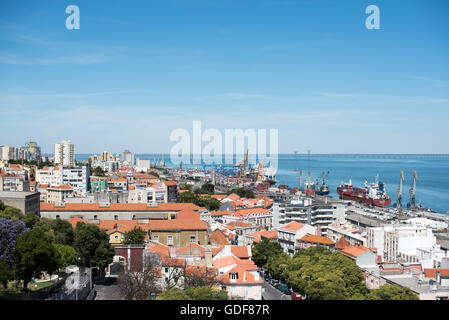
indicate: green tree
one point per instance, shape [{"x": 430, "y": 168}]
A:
[
  {"x": 278, "y": 265},
  {"x": 30, "y": 219},
  {"x": 134, "y": 236},
  {"x": 186, "y": 187},
  {"x": 392, "y": 292},
  {"x": 67, "y": 253},
  {"x": 44, "y": 224},
  {"x": 242, "y": 192},
  {"x": 5, "y": 274},
  {"x": 264, "y": 250},
  {"x": 314, "y": 271},
  {"x": 11, "y": 213},
  {"x": 35, "y": 252},
  {"x": 92, "y": 245},
  {"x": 63, "y": 232},
  {"x": 198, "y": 293},
  {"x": 98, "y": 171},
  {"x": 187, "y": 197},
  {"x": 207, "y": 188},
  {"x": 209, "y": 203},
  {"x": 326, "y": 286}
]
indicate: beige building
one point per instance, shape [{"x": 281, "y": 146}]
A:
[
  {"x": 58, "y": 194},
  {"x": 8, "y": 153}
]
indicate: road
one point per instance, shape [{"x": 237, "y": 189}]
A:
[
  {"x": 271, "y": 293},
  {"x": 108, "y": 290}
]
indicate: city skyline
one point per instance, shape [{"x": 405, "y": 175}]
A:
[{"x": 135, "y": 72}]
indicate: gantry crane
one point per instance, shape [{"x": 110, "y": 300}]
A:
[
  {"x": 411, "y": 204},
  {"x": 242, "y": 167},
  {"x": 399, "y": 192}
]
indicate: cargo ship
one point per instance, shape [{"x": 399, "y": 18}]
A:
[{"x": 372, "y": 194}]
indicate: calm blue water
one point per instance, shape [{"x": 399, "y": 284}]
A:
[{"x": 433, "y": 173}]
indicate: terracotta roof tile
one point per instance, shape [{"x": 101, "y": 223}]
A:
[
  {"x": 316, "y": 239},
  {"x": 292, "y": 226}
]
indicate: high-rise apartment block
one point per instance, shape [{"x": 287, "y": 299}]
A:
[{"x": 64, "y": 153}]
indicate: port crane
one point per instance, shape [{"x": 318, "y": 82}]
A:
[
  {"x": 411, "y": 204},
  {"x": 399, "y": 192},
  {"x": 242, "y": 167},
  {"x": 317, "y": 181}
]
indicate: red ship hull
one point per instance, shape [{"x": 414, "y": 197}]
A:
[{"x": 360, "y": 197}]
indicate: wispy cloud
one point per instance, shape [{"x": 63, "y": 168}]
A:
[
  {"x": 433, "y": 82},
  {"x": 14, "y": 59},
  {"x": 240, "y": 96}
]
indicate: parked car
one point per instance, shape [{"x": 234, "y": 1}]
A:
[
  {"x": 296, "y": 296},
  {"x": 282, "y": 287}
]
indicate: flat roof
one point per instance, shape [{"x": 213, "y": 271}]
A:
[{"x": 17, "y": 194}]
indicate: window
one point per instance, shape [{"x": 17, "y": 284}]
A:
[
  {"x": 166, "y": 270},
  {"x": 115, "y": 217},
  {"x": 170, "y": 240},
  {"x": 233, "y": 275},
  {"x": 57, "y": 216},
  {"x": 156, "y": 238},
  {"x": 95, "y": 217},
  {"x": 192, "y": 239},
  {"x": 116, "y": 237}
]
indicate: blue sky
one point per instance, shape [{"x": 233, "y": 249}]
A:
[{"x": 136, "y": 70}]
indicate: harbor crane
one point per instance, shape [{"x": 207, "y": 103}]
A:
[
  {"x": 411, "y": 204},
  {"x": 399, "y": 192},
  {"x": 242, "y": 167},
  {"x": 317, "y": 182}
]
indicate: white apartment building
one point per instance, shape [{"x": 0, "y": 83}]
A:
[
  {"x": 144, "y": 195},
  {"x": 337, "y": 229},
  {"x": 399, "y": 242},
  {"x": 50, "y": 176},
  {"x": 128, "y": 158},
  {"x": 289, "y": 234},
  {"x": 77, "y": 177},
  {"x": 432, "y": 257},
  {"x": 106, "y": 165},
  {"x": 64, "y": 153},
  {"x": 305, "y": 210},
  {"x": 142, "y": 165}
]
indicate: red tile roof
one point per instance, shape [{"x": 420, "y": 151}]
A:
[
  {"x": 342, "y": 243},
  {"x": 252, "y": 211},
  {"x": 159, "y": 248},
  {"x": 354, "y": 251},
  {"x": 221, "y": 213},
  {"x": 233, "y": 196},
  {"x": 191, "y": 248},
  {"x": 74, "y": 220},
  {"x": 218, "y": 196},
  {"x": 240, "y": 252},
  {"x": 316, "y": 239},
  {"x": 218, "y": 237},
  {"x": 292, "y": 226}
]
